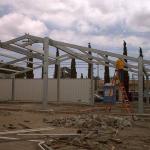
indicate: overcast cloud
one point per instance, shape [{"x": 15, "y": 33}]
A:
[{"x": 104, "y": 23}]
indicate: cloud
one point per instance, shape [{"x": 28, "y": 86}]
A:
[
  {"x": 103, "y": 23},
  {"x": 17, "y": 24},
  {"x": 146, "y": 54},
  {"x": 140, "y": 22}
]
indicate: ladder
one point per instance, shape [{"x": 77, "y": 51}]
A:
[{"x": 124, "y": 99}]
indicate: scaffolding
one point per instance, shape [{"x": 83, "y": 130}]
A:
[{"x": 23, "y": 45}]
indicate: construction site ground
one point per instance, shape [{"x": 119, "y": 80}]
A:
[{"x": 27, "y": 126}]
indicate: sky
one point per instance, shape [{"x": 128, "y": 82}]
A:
[{"x": 103, "y": 23}]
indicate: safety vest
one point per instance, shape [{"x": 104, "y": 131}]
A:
[{"x": 120, "y": 64}]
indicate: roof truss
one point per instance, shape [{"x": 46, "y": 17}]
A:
[{"x": 23, "y": 45}]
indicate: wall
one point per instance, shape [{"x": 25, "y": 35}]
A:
[
  {"x": 5, "y": 89},
  {"x": 76, "y": 90},
  {"x": 71, "y": 90},
  {"x": 28, "y": 89}
]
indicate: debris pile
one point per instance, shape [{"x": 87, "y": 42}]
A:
[
  {"x": 96, "y": 132},
  {"x": 90, "y": 121}
]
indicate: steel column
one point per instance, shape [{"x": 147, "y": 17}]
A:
[
  {"x": 45, "y": 72},
  {"x": 140, "y": 86},
  {"x": 92, "y": 86},
  {"x": 58, "y": 82}
]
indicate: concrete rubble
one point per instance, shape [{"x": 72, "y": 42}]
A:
[{"x": 96, "y": 132}]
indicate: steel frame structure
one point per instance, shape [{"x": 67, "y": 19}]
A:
[{"x": 23, "y": 45}]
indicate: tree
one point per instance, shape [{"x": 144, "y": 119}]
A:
[
  {"x": 126, "y": 74},
  {"x": 106, "y": 73},
  {"x": 125, "y": 49},
  {"x": 30, "y": 74},
  {"x": 81, "y": 75},
  {"x": 56, "y": 65},
  {"x": 140, "y": 52},
  {"x": 42, "y": 69},
  {"x": 89, "y": 65},
  {"x": 73, "y": 68},
  {"x": 141, "y": 55}
]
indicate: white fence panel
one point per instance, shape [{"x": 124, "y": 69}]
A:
[
  {"x": 75, "y": 90},
  {"x": 5, "y": 89},
  {"x": 71, "y": 90},
  {"x": 52, "y": 90},
  {"x": 28, "y": 89}
]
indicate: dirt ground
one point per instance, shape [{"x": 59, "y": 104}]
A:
[{"x": 22, "y": 118}]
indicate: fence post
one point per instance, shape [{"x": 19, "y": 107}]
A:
[
  {"x": 58, "y": 82},
  {"x": 13, "y": 89},
  {"x": 147, "y": 89}
]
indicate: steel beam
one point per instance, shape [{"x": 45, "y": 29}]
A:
[
  {"x": 72, "y": 53},
  {"x": 84, "y": 49},
  {"x": 16, "y": 39},
  {"x": 29, "y": 47},
  {"x": 129, "y": 67},
  {"x": 30, "y": 42},
  {"x": 13, "y": 61},
  {"x": 12, "y": 70},
  {"x": 36, "y": 38},
  {"x": 4, "y": 64},
  {"x": 98, "y": 60},
  {"x": 22, "y": 51},
  {"x": 8, "y": 56},
  {"x": 24, "y": 71},
  {"x": 37, "y": 67},
  {"x": 55, "y": 43}
]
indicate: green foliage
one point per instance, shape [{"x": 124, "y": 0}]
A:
[
  {"x": 140, "y": 52},
  {"x": 81, "y": 75},
  {"x": 30, "y": 74},
  {"x": 89, "y": 65},
  {"x": 73, "y": 68},
  {"x": 126, "y": 74},
  {"x": 56, "y": 66},
  {"x": 106, "y": 73},
  {"x": 141, "y": 55}
]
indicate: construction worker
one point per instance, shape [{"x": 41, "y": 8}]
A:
[{"x": 120, "y": 64}]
